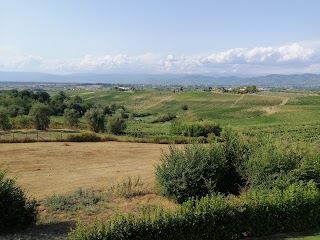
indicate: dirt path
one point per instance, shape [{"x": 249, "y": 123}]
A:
[
  {"x": 239, "y": 99},
  {"x": 45, "y": 169},
  {"x": 160, "y": 101},
  {"x": 273, "y": 109}
]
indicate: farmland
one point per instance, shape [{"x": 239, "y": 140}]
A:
[{"x": 48, "y": 169}]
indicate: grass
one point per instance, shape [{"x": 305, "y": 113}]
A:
[{"x": 80, "y": 200}]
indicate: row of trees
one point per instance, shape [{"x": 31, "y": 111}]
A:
[{"x": 23, "y": 109}]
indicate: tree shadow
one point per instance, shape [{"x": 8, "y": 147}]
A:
[
  {"x": 56, "y": 231},
  {"x": 292, "y": 235}
]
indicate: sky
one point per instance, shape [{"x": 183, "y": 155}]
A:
[{"x": 229, "y": 37}]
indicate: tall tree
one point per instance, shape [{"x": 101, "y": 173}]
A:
[
  {"x": 95, "y": 119},
  {"x": 40, "y": 116}
]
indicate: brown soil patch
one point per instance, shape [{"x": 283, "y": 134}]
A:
[{"x": 45, "y": 169}]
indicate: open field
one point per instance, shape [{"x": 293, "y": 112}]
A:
[{"x": 45, "y": 169}]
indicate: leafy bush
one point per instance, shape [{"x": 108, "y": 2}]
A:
[
  {"x": 4, "y": 119},
  {"x": 276, "y": 163},
  {"x": 196, "y": 129},
  {"x": 40, "y": 116},
  {"x": 22, "y": 122},
  {"x": 116, "y": 125},
  {"x": 198, "y": 170},
  {"x": 164, "y": 118},
  {"x": 254, "y": 213},
  {"x": 84, "y": 137},
  {"x": 16, "y": 211},
  {"x": 95, "y": 119}
]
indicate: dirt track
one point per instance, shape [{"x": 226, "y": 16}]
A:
[{"x": 45, "y": 169}]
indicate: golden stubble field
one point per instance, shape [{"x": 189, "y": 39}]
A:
[{"x": 46, "y": 169}]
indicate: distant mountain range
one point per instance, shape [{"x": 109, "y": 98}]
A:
[{"x": 273, "y": 81}]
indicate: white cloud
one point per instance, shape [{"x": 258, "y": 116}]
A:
[{"x": 291, "y": 58}]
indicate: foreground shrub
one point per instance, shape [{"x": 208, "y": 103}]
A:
[
  {"x": 276, "y": 163},
  {"x": 84, "y": 137},
  {"x": 254, "y": 213},
  {"x": 196, "y": 129},
  {"x": 16, "y": 211},
  {"x": 198, "y": 170}
]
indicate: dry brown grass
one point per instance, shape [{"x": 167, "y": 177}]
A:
[
  {"x": 45, "y": 169},
  {"x": 57, "y": 168}
]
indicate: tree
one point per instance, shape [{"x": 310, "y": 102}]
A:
[
  {"x": 40, "y": 116},
  {"x": 95, "y": 119},
  {"x": 116, "y": 125},
  {"x": 4, "y": 119},
  {"x": 71, "y": 118}
]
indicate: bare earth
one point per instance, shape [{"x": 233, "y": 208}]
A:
[{"x": 45, "y": 169}]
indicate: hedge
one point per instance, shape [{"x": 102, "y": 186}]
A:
[{"x": 254, "y": 213}]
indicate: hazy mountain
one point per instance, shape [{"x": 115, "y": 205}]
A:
[{"x": 274, "y": 80}]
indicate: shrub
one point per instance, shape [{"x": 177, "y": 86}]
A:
[
  {"x": 84, "y": 137},
  {"x": 184, "y": 107},
  {"x": 4, "y": 119},
  {"x": 198, "y": 170},
  {"x": 164, "y": 118},
  {"x": 196, "y": 129},
  {"x": 71, "y": 117},
  {"x": 116, "y": 125},
  {"x": 276, "y": 163},
  {"x": 16, "y": 211},
  {"x": 79, "y": 200},
  {"x": 22, "y": 122},
  {"x": 95, "y": 119},
  {"x": 254, "y": 213},
  {"x": 40, "y": 116}
]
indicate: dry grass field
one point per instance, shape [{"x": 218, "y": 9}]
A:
[{"x": 45, "y": 169}]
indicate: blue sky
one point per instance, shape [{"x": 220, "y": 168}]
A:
[{"x": 230, "y": 37}]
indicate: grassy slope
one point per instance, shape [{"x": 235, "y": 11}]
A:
[{"x": 292, "y": 113}]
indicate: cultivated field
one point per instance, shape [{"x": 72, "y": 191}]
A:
[{"x": 45, "y": 169}]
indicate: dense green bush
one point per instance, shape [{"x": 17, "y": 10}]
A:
[
  {"x": 280, "y": 163},
  {"x": 254, "y": 213},
  {"x": 40, "y": 113},
  {"x": 164, "y": 118},
  {"x": 197, "y": 170},
  {"x": 4, "y": 119},
  {"x": 84, "y": 137},
  {"x": 116, "y": 125},
  {"x": 16, "y": 211},
  {"x": 95, "y": 119},
  {"x": 195, "y": 129}
]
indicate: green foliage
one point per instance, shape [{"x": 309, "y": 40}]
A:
[
  {"x": 4, "y": 119},
  {"x": 254, "y": 213},
  {"x": 16, "y": 211},
  {"x": 84, "y": 137},
  {"x": 197, "y": 170},
  {"x": 164, "y": 118},
  {"x": 95, "y": 119},
  {"x": 116, "y": 125},
  {"x": 195, "y": 129},
  {"x": 71, "y": 117},
  {"x": 22, "y": 122},
  {"x": 79, "y": 200},
  {"x": 40, "y": 116},
  {"x": 277, "y": 163}
]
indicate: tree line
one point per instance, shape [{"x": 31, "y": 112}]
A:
[{"x": 26, "y": 109}]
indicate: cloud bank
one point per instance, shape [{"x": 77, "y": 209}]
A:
[{"x": 303, "y": 57}]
